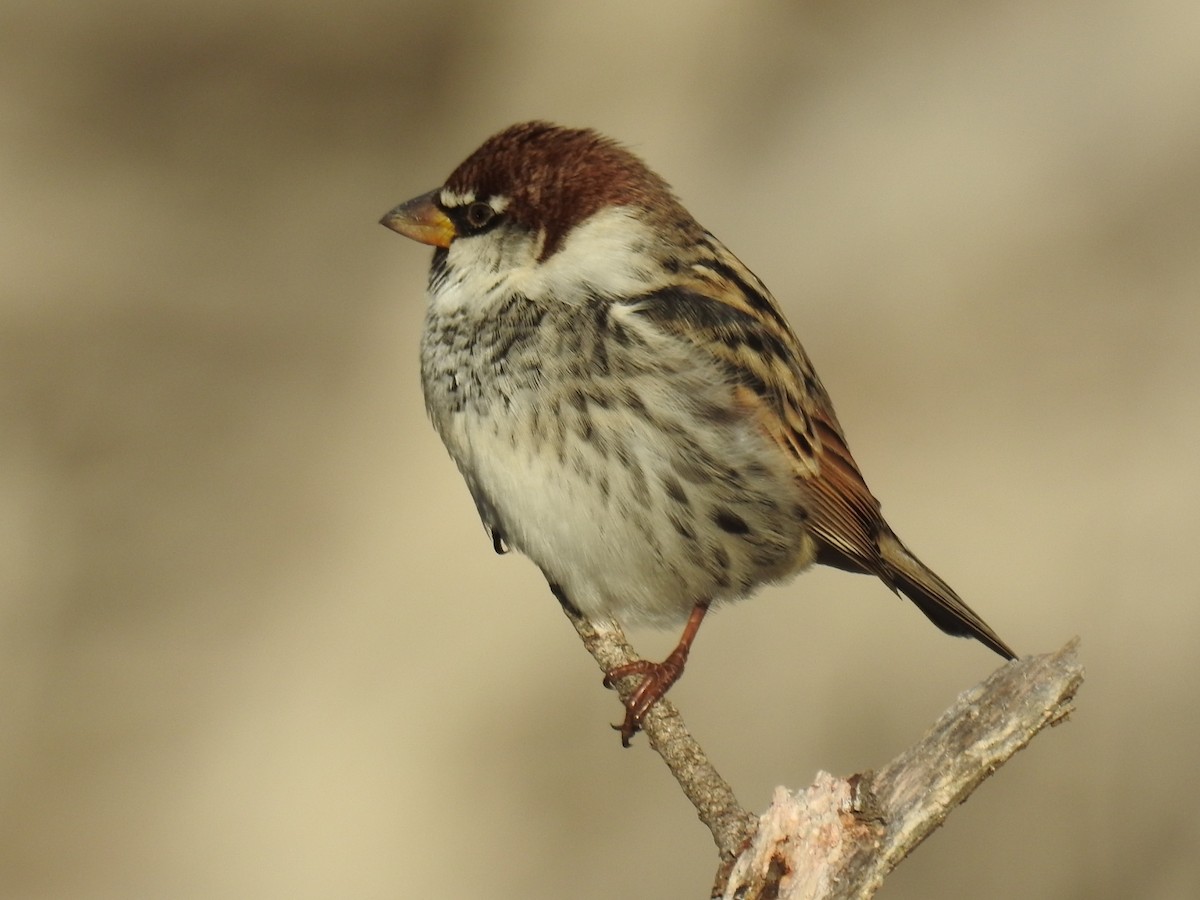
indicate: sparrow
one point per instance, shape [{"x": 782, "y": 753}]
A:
[{"x": 627, "y": 403}]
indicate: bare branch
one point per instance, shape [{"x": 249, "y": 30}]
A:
[
  {"x": 731, "y": 826},
  {"x": 839, "y": 838}
]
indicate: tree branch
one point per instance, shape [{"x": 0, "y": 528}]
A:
[
  {"x": 839, "y": 838},
  {"x": 731, "y": 826}
]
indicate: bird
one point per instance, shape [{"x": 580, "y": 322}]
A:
[{"x": 627, "y": 403}]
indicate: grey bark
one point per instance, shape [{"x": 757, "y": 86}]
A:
[{"x": 840, "y": 837}]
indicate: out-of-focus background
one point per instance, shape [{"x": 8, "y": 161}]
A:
[{"x": 253, "y": 640}]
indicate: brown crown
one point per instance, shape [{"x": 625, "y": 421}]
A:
[{"x": 557, "y": 177}]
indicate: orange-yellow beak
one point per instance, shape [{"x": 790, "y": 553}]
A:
[{"x": 422, "y": 220}]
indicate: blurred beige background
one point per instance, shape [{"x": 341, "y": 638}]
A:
[{"x": 253, "y": 640}]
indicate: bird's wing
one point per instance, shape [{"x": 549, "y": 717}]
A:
[{"x": 724, "y": 309}]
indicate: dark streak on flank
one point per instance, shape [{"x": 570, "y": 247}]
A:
[
  {"x": 675, "y": 490},
  {"x": 729, "y": 521},
  {"x": 599, "y": 399},
  {"x": 682, "y": 527},
  {"x": 633, "y": 401}
]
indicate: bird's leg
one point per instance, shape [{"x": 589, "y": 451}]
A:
[{"x": 657, "y": 678}]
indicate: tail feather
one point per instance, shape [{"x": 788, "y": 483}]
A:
[{"x": 934, "y": 597}]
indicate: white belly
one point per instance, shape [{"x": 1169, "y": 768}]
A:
[{"x": 631, "y": 523}]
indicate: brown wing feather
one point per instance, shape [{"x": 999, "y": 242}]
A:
[
  {"x": 732, "y": 314},
  {"x": 847, "y": 518}
]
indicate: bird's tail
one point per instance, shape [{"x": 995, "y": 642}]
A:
[{"x": 934, "y": 597}]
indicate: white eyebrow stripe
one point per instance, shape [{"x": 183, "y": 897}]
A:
[{"x": 451, "y": 198}]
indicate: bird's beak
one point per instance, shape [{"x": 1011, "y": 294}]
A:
[{"x": 422, "y": 220}]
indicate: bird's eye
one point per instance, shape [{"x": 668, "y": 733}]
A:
[{"x": 480, "y": 214}]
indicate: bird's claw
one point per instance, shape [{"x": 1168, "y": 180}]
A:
[{"x": 657, "y": 679}]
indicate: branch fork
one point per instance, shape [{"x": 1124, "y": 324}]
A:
[{"x": 840, "y": 837}]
